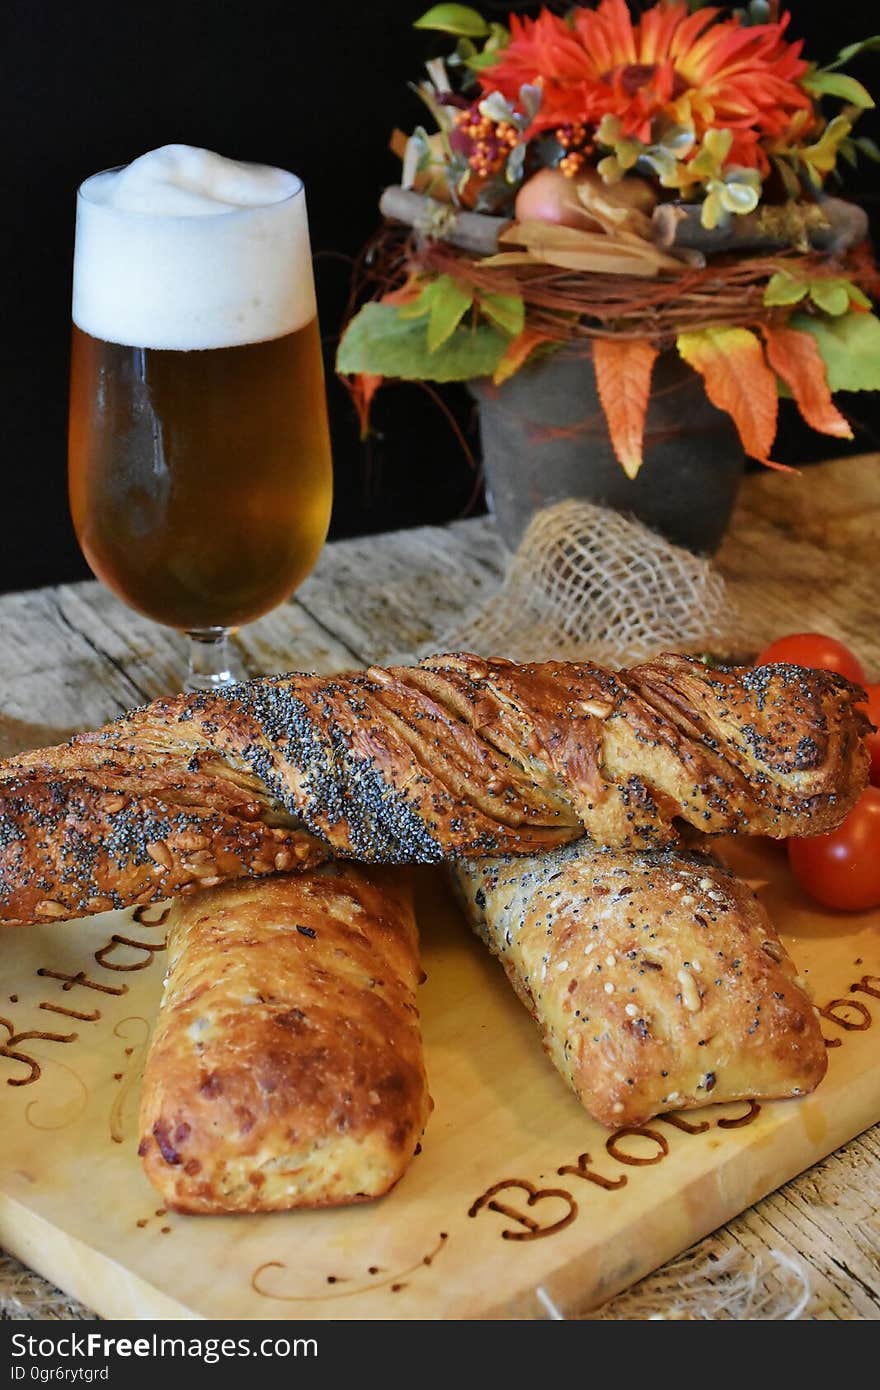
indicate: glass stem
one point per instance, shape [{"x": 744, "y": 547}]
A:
[{"x": 212, "y": 664}]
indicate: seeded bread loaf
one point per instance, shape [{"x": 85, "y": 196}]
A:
[
  {"x": 656, "y": 979},
  {"x": 286, "y": 1064}
]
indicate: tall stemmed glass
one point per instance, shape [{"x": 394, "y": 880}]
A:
[{"x": 199, "y": 457}]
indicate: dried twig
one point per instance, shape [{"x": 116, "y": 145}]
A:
[
  {"x": 470, "y": 231},
  {"x": 831, "y": 225}
]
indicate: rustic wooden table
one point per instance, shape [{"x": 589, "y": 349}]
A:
[{"x": 801, "y": 556}]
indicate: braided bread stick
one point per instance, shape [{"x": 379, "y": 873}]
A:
[
  {"x": 457, "y": 756},
  {"x": 286, "y": 1063},
  {"x": 71, "y": 846},
  {"x": 656, "y": 979}
]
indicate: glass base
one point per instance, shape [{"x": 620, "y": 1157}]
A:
[{"x": 212, "y": 663}]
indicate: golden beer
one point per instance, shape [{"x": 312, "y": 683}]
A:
[
  {"x": 199, "y": 456},
  {"x": 200, "y": 481}
]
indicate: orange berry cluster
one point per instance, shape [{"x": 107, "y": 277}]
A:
[
  {"x": 490, "y": 141},
  {"x": 572, "y": 138}
]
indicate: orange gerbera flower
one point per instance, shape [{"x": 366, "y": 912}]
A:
[{"x": 692, "y": 69}]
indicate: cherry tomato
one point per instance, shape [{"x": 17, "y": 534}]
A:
[
  {"x": 842, "y": 869},
  {"x": 814, "y": 649},
  {"x": 872, "y": 742}
]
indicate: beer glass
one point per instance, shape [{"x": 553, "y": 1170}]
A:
[{"x": 199, "y": 458}]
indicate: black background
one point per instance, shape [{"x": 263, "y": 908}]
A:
[{"x": 312, "y": 85}]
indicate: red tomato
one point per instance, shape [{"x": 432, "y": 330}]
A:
[
  {"x": 872, "y": 742},
  {"x": 813, "y": 649},
  {"x": 842, "y": 869}
]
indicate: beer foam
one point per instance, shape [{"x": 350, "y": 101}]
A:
[{"x": 184, "y": 249}]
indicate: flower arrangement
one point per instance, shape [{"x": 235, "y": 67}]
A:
[{"x": 627, "y": 186}]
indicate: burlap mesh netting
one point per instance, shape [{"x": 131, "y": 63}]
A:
[{"x": 590, "y": 583}]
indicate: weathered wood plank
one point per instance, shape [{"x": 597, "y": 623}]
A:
[
  {"x": 154, "y": 658},
  {"x": 74, "y": 656},
  {"x": 49, "y": 671},
  {"x": 391, "y": 598}
]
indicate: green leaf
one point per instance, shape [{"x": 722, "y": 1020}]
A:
[
  {"x": 831, "y": 296},
  {"x": 420, "y": 306},
  {"x": 507, "y": 310},
  {"x": 481, "y": 60},
  {"x": 852, "y": 50},
  {"x": 850, "y": 349},
  {"x": 857, "y": 296},
  {"x": 712, "y": 213},
  {"x": 783, "y": 289},
  {"x": 464, "y": 49},
  {"x": 530, "y": 99},
  {"x": 445, "y": 302},
  {"x": 449, "y": 304},
  {"x": 838, "y": 84},
  {"x": 499, "y": 38},
  {"x": 790, "y": 180},
  {"x": 738, "y": 197},
  {"x": 460, "y": 20},
  {"x": 497, "y": 108},
  {"x": 513, "y": 169},
  {"x": 866, "y": 146},
  {"x": 378, "y": 341}
]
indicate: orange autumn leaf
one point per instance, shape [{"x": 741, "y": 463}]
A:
[
  {"x": 796, "y": 358},
  {"x": 364, "y": 385},
  {"x": 623, "y": 375},
  {"x": 738, "y": 380},
  {"x": 516, "y": 353},
  {"x": 398, "y": 142},
  {"x": 363, "y": 388}
]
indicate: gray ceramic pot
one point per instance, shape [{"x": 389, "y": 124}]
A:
[{"x": 544, "y": 439}]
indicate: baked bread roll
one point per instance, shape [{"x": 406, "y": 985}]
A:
[
  {"x": 656, "y": 979},
  {"x": 455, "y": 757},
  {"x": 286, "y": 1064}
]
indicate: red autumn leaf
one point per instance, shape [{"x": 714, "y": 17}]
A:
[
  {"x": 623, "y": 375},
  {"x": 738, "y": 380},
  {"x": 796, "y": 358},
  {"x": 516, "y": 352}
]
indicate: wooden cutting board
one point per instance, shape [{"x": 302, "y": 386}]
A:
[{"x": 518, "y": 1204}]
